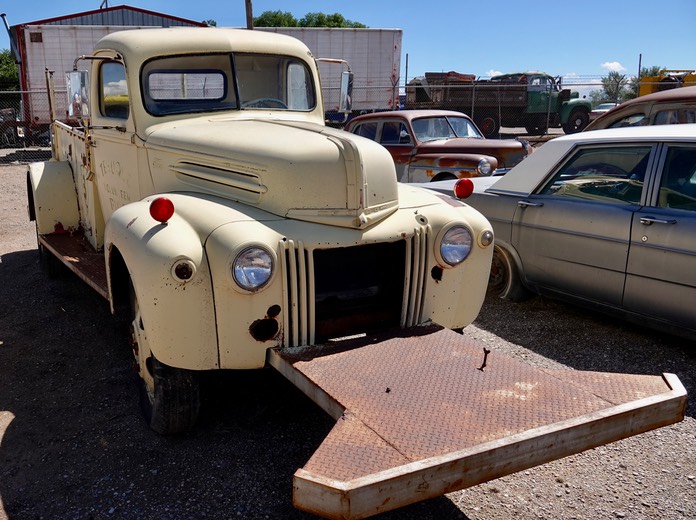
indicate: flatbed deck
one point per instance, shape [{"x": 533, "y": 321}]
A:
[{"x": 430, "y": 412}]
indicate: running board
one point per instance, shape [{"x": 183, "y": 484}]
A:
[
  {"x": 78, "y": 255},
  {"x": 432, "y": 411}
]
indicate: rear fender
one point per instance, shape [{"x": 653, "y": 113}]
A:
[
  {"x": 52, "y": 197},
  {"x": 178, "y": 315}
]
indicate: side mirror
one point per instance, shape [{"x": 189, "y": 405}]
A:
[
  {"x": 78, "y": 92},
  {"x": 345, "y": 104}
]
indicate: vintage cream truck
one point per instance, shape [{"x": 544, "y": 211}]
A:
[{"x": 199, "y": 191}]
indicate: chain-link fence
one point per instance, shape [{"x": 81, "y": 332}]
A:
[
  {"x": 502, "y": 109},
  {"x": 24, "y": 126}
]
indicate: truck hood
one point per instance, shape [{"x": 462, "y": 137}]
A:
[
  {"x": 299, "y": 170},
  {"x": 509, "y": 152}
]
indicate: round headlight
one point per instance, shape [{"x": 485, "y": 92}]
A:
[
  {"x": 456, "y": 245},
  {"x": 484, "y": 167},
  {"x": 252, "y": 268}
]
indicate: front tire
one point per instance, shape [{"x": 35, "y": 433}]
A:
[
  {"x": 504, "y": 280},
  {"x": 577, "y": 121},
  {"x": 169, "y": 396}
]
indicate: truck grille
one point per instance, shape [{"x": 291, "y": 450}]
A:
[{"x": 331, "y": 293}]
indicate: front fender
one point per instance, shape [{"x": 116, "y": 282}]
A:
[
  {"x": 178, "y": 316},
  {"x": 571, "y": 105},
  {"x": 425, "y": 167}
]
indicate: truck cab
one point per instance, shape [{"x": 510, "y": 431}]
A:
[{"x": 199, "y": 191}]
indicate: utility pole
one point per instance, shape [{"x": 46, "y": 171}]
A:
[{"x": 249, "y": 15}]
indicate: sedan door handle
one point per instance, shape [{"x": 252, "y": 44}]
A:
[
  {"x": 648, "y": 221},
  {"x": 527, "y": 204}
]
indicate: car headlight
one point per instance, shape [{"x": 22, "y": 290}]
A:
[
  {"x": 484, "y": 167},
  {"x": 456, "y": 245},
  {"x": 252, "y": 268}
]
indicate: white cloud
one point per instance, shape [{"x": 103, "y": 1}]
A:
[
  {"x": 613, "y": 66},
  {"x": 114, "y": 88},
  {"x": 492, "y": 72}
]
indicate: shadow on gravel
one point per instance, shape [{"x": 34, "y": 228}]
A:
[
  {"x": 76, "y": 446},
  {"x": 585, "y": 340},
  {"x": 22, "y": 155}
]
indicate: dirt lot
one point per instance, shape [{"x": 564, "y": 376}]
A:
[{"x": 73, "y": 445}]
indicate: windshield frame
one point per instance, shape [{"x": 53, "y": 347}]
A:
[{"x": 176, "y": 84}]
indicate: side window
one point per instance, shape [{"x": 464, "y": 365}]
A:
[
  {"x": 368, "y": 130},
  {"x": 113, "y": 90},
  {"x": 675, "y": 116},
  {"x": 639, "y": 119},
  {"x": 607, "y": 174},
  {"x": 391, "y": 132},
  {"x": 678, "y": 184}
]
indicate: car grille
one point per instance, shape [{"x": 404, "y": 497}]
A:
[{"x": 339, "y": 292}]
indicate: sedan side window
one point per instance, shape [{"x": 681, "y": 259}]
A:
[
  {"x": 678, "y": 184},
  {"x": 607, "y": 174},
  {"x": 368, "y": 130},
  {"x": 392, "y": 133},
  {"x": 638, "y": 119}
]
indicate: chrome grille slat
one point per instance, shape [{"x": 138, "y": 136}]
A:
[
  {"x": 299, "y": 318},
  {"x": 416, "y": 263}
]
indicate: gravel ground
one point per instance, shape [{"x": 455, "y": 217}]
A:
[{"x": 73, "y": 445}]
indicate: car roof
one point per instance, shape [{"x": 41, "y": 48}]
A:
[
  {"x": 523, "y": 178},
  {"x": 675, "y": 95},
  {"x": 408, "y": 114}
]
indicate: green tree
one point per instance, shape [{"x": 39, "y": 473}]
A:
[
  {"x": 328, "y": 20},
  {"x": 9, "y": 74},
  {"x": 210, "y": 23},
  {"x": 634, "y": 86},
  {"x": 275, "y": 19},
  {"x": 614, "y": 89},
  {"x": 286, "y": 19}
]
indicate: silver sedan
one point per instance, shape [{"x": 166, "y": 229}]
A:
[{"x": 605, "y": 219}]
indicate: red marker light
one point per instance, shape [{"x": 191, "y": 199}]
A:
[
  {"x": 463, "y": 188},
  {"x": 161, "y": 209}
]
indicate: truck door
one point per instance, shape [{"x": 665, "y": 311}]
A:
[{"x": 115, "y": 157}]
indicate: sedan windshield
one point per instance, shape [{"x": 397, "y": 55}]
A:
[{"x": 444, "y": 127}]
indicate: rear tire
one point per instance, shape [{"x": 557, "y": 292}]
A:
[
  {"x": 169, "y": 397},
  {"x": 504, "y": 280}
]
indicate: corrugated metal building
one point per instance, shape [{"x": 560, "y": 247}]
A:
[{"x": 54, "y": 44}]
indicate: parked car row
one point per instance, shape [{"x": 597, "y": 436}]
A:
[{"x": 605, "y": 219}]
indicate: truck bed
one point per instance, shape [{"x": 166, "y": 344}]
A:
[{"x": 430, "y": 412}]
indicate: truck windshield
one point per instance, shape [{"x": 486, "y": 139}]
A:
[{"x": 214, "y": 82}]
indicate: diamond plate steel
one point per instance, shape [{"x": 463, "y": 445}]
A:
[{"x": 411, "y": 398}]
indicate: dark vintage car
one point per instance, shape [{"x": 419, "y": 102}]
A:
[
  {"x": 676, "y": 106},
  {"x": 434, "y": 145},
  {"x": 605, "y": 219}
]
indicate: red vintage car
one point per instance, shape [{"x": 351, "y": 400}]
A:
[{"x": 435, "y": 145}]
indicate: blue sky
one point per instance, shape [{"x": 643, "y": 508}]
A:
[{"x": 586, "y": 39}]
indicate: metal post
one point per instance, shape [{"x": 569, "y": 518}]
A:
[{"x": 249, "y": 15}]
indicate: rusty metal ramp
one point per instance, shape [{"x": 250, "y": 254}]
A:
[{"x": 419, "y": 415}]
